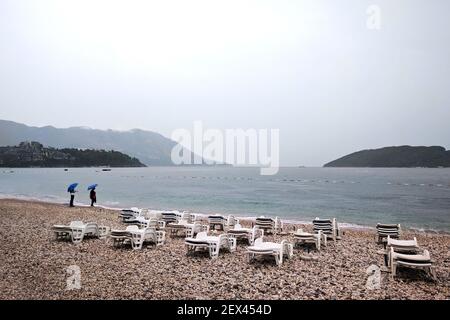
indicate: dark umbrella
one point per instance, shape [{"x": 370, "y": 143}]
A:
[{"x": 72, "y": 187}]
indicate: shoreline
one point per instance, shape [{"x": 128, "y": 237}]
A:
[{"x": 289, "y": 221}]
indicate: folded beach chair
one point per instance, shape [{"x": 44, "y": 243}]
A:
[
  {"x": 212, "y": 244},
  {"x": 249, "y": 234},
  {"x": 414, "y": 261},
  {"x": 76, "y": 231},
  {"x": 385, "y": 230},
  {"x": 301, "y": 237},
  {"x": 169, "y": 216},
  {"x": 277, "y": 250},
  {"x": 217, "y": 220},
  {"x": 269, "y": 225},
  {"x": 329, "y": 227}
]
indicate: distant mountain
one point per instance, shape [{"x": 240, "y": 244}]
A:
[
  {"x": 398, "y": 157},
  {"x": 34, "y": 154},
  {"x": 149, "y": 147}
]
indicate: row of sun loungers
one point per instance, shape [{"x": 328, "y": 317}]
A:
[
  {"x": 213, "y": 244},
  {"x": 151, "y": 227}
]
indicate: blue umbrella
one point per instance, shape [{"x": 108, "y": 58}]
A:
[
  {"x": 72, "y": 187},
  {"x": 93, "y": 186}
]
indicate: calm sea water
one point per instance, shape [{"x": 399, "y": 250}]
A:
[{"x": 418, "y": 198}]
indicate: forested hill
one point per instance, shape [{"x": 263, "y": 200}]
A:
[
  {"x": 402, "y": 156},
  {"x": 34, "y": 154}
]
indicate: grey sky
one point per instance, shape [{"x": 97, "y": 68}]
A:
[{"x": 310, "y": 68}]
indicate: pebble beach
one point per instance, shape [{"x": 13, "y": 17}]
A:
[{"x": 34, "y": 265}]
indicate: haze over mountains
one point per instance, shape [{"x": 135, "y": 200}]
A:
[{"x": 149, "y": 147}]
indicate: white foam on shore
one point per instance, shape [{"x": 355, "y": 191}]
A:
[{"x": 58, "y": 200}]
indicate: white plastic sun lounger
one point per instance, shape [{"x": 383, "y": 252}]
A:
[
  {"x": 249, "y": 234},
  {"x": 213, "y": 244},
  {"x": 76, "y": 231},
  {"x": 414, "y": 261},
  {"x": 187, "y": 229},
  {"x": 269, "y": 225},
  {"x": 137, "y": 237},
  {"x": 329, "y": 227},
  {"x": 385, "y": 230},
  {"x": 400, "y": 246},
  {"x": 277, "y": 250},
  {"x": 150, "y": 223},
  {"x": 301, "y": 237}
]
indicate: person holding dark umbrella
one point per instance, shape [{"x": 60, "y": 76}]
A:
[
  {"x": 93, "y": 194},
  {"x": 72, "y": 191}
]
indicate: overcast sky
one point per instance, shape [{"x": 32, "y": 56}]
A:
[{"x": 310, "y": 68}]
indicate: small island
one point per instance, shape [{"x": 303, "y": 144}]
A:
[
  {"x": 396, "y": 157},
  {"x": 34, "y": 154}
]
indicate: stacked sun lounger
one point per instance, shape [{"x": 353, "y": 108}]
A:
[
  {"x": 329, "y": 228},
  {"x": 407, "y": 253},
  {"x": 269, "y": 225},
  {"x": 215, "y": 221},
  {"x": 414, "y": 261},
  {"x": 129, "y": 216},
  {"x": 169, "y": 216},
  {"x": 385, "y": 230}
]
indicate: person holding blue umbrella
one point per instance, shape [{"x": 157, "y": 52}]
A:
[
  {"x": 93, "y": 194},
  {"x": 72, "y": 191}
]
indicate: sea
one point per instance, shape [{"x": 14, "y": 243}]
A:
[{"x": 417, "y": 198}]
